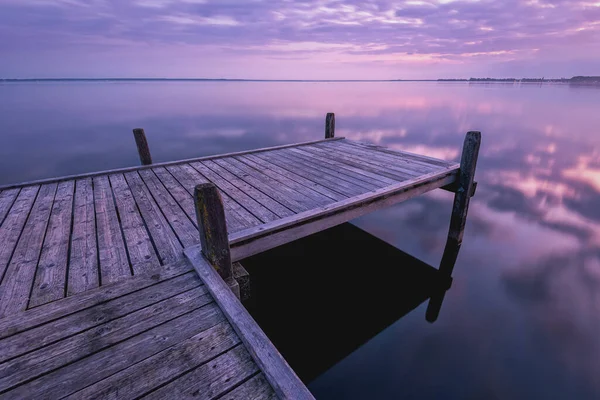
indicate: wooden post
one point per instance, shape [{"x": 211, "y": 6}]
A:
[
  {"x": 462, "y": 196},
  {"x": 213, "y": 229},
  {"x": 329, "y": 126},
  {"x": 142, "y": 145}
]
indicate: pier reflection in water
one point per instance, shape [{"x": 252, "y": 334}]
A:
[{"x": 321, "y": 297}]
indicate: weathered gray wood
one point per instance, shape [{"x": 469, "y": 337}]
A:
[
  {"x": 159, "y": 369},
  {"x": 83, "y": 265},
  {"x": 51, "y": 274},
  {"x": 80, "y": 374},
  {"x": 184, "y": 198},
  {"x": 168, "y": 246},
  {"x": 255, "y": 388},
  {"x": 211, "y": 379},
  {"x": 35, "y": 363},
  {"x": 301, "y": 184},
  {"x": 139, "y": 245},
  {"x": 282, "y": 378},
  {"x": 418, "y": 158},
  {"x": 163, "y": 164},
  {"x": 7, "y": 198},
  {"x": 330, "y": 126},
  {"x": 257, "y": 209},
  {"x": 335, "y": 176},
  {"x": 13, "y": 224},
  {"x": 267, "y": 236},
  {"x": 264, "y": 199},
  {"x": 237, "y": 216},
  {"x": 213, "y": 229},
  {"x": 142, "y": 146},
  {"x": 316, "y": 177},
  {"x": 31, "y": 318},
  {"x": 278, "y": 192},
  {"x": 114, "y": 264},
  {"x": 335, "y": 162},
  {"x": 18, "y": 279},
  {"x": 358, "y": 174},
  {"x": 76, "y": 322},
  {"x": 460, "y": 207},
  {"x": 180, "y": 223}
]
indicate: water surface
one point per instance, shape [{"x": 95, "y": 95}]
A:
[{"x": 522, "y": 319}]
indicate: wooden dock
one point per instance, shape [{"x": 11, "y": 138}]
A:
[{"x": 106, "y": 291}]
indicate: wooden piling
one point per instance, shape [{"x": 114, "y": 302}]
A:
[
  {"x": 142, "y": 146},
  {"x": 330, "y": 126},
  {"x": 213, "y": 229},
  {"x": 468, "y": 163}
]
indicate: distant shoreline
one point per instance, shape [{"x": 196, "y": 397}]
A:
[{"x": 577, "y": 80}]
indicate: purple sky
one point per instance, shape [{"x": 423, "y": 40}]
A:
[{"x": 309, "y": 39}]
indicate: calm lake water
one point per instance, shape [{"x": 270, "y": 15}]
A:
[{"x": 522, "y": 319}]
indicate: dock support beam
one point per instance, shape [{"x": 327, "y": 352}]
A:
[
  {"x": 142, "y": 146},
  {"x": 212, "y": 226},
  {"x": 463, "y": 192},
  {"x": 330, "y": 126}
]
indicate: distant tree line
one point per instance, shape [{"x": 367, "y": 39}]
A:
[{"x": 581, "y": 80}]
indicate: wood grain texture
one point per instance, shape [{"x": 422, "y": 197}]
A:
[
  {"x": 184, "y": 229},
  {"x": 83, "y": 267},
  {"x": 282, "y": 378},
  {"x": 418, "y": 158},
  {"x": 255, "y": 388},
  {"x": 13, "y": 224},
  {"x": 16, "y": 285},
  {"x": 142, "y": 146},
  {"x": 48, "y": 312},
  {"x": 7, "y": 198},
  {"x": 114, "y": 263},
  {"x": 329, "y": 125},
  {"x": 72, "y": 348},
  {"x": 51, "y": 274},
  {"x": 137, "y": 239},
  {"x": 168, "y": 246}
]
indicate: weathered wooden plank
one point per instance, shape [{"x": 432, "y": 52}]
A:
[
  {"x": 211, "y": 379},
  {"x": 263, "y": 198},
  {"x": 35, "y": 363},
  {"x": 267, "y": 236},
  {"x": 335, "y": 163},
  {"x": 255, "y": 388},
  {"x": 48, "y": 312},
  {"x": 179, "y": 193},
  {"x": 338, "y": 176},
  {"x": 7, "y": 198},
  {"x": 159, "y": 369},
  {"x": 338, "y": 158},
  {"x": 282, "y": 378},
  {"x": 83, "y": 264},
  {"x": 180, "y": 223},
  {"x": 13, "y": 224},
  {"x": 114, "y": 263},
  {"x": 163, "y": 164},
  {"x": 257, "y": 209},
  {"x": 168, "y": 246},
  {"x": 139, "y": 244},
  {"x": 309, "y": 174},
  {"x": 285, "y": 196},
  {"x": 419, "y": 158},
  {"x": 18, "y": 279},
  {"x": 80, "y": 374},
  {"x": 290, "y": 198},
  {"x": 392, "y": 163},
  {"x": 330, "y": 126},
  {"x": 311, "y": 189},
  {"x": 237, "y": 216},
  {"x": 74, "y": 323},
  {"x": 51, "y": 274}
]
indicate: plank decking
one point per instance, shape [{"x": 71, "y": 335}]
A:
[{"x": 84, "y": 312}]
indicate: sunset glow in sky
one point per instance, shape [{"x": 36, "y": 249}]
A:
[{"x": 309, "y": 39}]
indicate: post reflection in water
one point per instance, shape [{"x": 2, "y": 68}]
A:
[{"x": 523, "y": 315}]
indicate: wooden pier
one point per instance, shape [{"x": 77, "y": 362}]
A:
[{"x": 121, "y": 284}]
